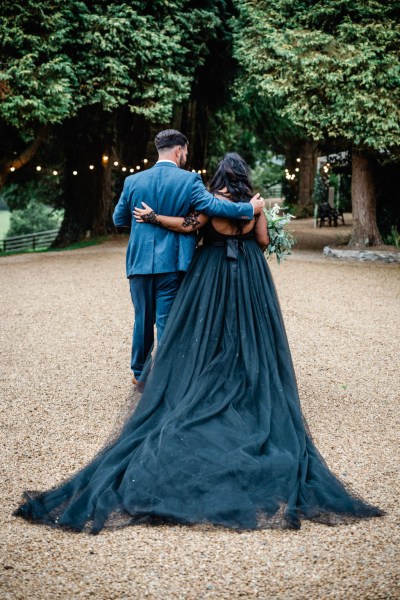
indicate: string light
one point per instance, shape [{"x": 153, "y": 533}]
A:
[
  {"x": 297, "y": 169},
  {"x": 193, "y": 170},
  {"x": 298, "y": 159},
  {"x": 204, "y": 171},
  {"x": 105, "y": 158}
]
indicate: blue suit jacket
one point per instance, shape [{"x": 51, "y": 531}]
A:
[{"x": 172, "y": 191}]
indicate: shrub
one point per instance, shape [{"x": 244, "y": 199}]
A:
[{"x": 35, "y": 217}]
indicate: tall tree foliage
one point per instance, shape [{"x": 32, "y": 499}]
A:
[
  {"x": 77, "y": 62},
  {"x": 61, "y": 55},
  {"x": 333, "y": 66}
]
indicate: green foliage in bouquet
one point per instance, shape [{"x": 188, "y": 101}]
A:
[{"x": 281, "y": 240}]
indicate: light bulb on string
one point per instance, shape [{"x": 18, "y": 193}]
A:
[
  {"x": 116, "y": 163},
  {"x": 298, "y": 159},
  {"x": 38, "y": 168},
  {"x": 145, "y": 161},
  {"x": 193, "y": 170},
  {"x": 297, "y": 169},
  {"x": 55, "y": 172},
  {"x": 12, "y": 169},
  {"x": 104, "y": 158},
  {"x": 91, "y": 167},
  {"x": 137, "y": 168},
  {"x": 204, "y": 171},
  {"x": 131, "y": 170},
  {"x": 124, "y": 169},
  {"x": 74, "y": 172}
]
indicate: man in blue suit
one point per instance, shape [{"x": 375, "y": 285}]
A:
[{"x": 157, "y": 258}]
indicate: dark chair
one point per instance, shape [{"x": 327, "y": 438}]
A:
[{"x": 327, "y": 213}]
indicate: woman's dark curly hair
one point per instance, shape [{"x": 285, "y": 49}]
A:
[{"x": 233, "y": 174}]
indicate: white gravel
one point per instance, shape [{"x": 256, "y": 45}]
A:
[{"x": 65, "y": 342}]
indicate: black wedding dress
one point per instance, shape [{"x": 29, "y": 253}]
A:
[{"x": 218, "y": 436}]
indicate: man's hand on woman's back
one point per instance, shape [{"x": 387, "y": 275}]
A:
[{"x": 258, "y": 203}]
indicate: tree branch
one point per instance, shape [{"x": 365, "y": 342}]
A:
[{"x": 25, "y": 156}]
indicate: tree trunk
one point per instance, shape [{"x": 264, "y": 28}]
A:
[
  {"x": 88, "y": 193},
  {"x": 195, "y": 123},
  {"x": 363, "y": 195},
  {"x": 307, "y": 168},
  {"x": 102, "y": 221},
  {"x": 89, "y": 199}
]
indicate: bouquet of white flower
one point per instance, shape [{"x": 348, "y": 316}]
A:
[{"x": 281, "y": 240}]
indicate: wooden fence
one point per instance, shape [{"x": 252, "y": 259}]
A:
[
  {"x": 30, "y": 241},
  {"x": 274, "y": 191}
]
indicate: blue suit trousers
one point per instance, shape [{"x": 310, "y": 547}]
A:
[{"x": 152, "y": 298}]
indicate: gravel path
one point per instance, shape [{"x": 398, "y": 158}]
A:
[{"x": 65, "y": 341}]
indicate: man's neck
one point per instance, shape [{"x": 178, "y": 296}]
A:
[
  {"x": 167, "y": 157},
  {"x": 167, "y": 160}
]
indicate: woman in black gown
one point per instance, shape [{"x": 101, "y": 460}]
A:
[{"x": 218, "y": 435}]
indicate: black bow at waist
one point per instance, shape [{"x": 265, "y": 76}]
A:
[{"x": 233, "y": 245}]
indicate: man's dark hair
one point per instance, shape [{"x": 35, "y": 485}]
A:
[{"x": 169, "y": 138}]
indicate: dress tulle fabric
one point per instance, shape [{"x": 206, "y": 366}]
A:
[{"x": 218, "y": 436}]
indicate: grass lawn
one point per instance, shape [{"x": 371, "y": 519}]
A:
[{"x": 4, "y": 223}]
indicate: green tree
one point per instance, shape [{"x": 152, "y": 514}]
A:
[
  {"x": 77, "y": 63},
  {"x": 320, "y": 193},
  {"x": 333, "y": 69},
  {"x": 41, "y": 189},
  {"x": 32, "y": 204},
  {"x": 35, "y": 217},
  {"x": 266, "y": 173}
]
